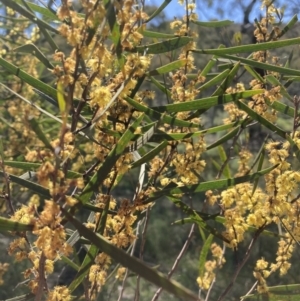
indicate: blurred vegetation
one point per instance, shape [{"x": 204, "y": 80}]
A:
[{"x": 105, "y": 158}]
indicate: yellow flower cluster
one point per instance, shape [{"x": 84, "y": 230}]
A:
[
  {"x": 284, "y": 254},
  {"x": 51, "y": 234},
  {"x": 244, "y": 156},
  {"x": 3, "y": 269},
  {"x": 50, "y": 242},
  {"x": 209, "y": 275},
  {"x": 101, "y": 62},
  {"x": 97, "y": 277},
  {"x": 93, "y": 73},
  {"x": 100, "y": 96},
  {"x": 181, "y": 92},
  {"x": 261, "y": 273},
  {"x": 243, "y": 208},
  {"x": 234, "y": 113},
  {"x": 211, "y": 198},
  {"x": 272, "y": 11},
  {"x": 118, "y": 230},
  {"x": 188, "y": 165},
  {"x": 59, "y": 293}
]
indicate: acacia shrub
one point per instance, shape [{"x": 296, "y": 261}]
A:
[{"x": 81, "y": 123}]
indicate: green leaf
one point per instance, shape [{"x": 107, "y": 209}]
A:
[
  {"x": 213, "y": 23},
  {"x": 34, "y": 166},
  {"x": 223, "y": 157},
  {"x": 132, "y": 263},
  {"x": 45, "y": 12},
  {"x": 39, "y": 132},
  {"x": 288, "y": 26},
  {"x": 227, "y": 81},
  {"x": 284, "y": 288},
  {"x": 69, "y": 262},
  {"x": 215, "y": 80},
  {"x": 159, "y": 136},
  {"x": 261, "y": 119},
  {"x": 203, "y": 254},
  {"x": 46, "y": 97},
  {"x": 259, "y": 167},
  {"x": 92, "y": 252},
  {"x": 1, "y": 150},
  {"x": 161, "y": 87},
  {"x": 211, "y": 63},
  {"x": 36, "y": 188},
  {"x": 9, "y": 225},
  {"x": 138, "y": 85},
  {"x": 150, "y": 155},
  {"x": 112, "y": 21},
  {"x": 252, "y": 72},
  {"x": 62, "y": 104},
  {"x": 115, "y": 30},
  {"x": 35, "y": 83},
  {"x": 93, "y": 208},
  {"x": 22, "y": 298},
  {"x": 84, "y": 268},
  {"x": 249, "y": 47},
  {"x": 221, "y": 220},
  {"x": 49, "y": 39},
  {"x": 32, "y": 49},
  {"x": 290, "y": 292},
  {"x": 141, "y": 141},
  {"x": 155, "y": 35},
  {"x": 167, "y": 68},
  {"x": 275, "y": 82},
  {"x": 216, "y": 164},
  {"x": 223, "y": 139},
  {"x": 198, "y": 219},
  {"x": 164, "y": 46},
  {"x": 206, "y": 103},
  {"x": 264, "y": 66},
  {"x": 210, "y": 185},
  {"x": 159, "y": 10},
  {"x": 282, "y": 108},
  {"x": 156, "y": 115}
]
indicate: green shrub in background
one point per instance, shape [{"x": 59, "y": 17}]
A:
[{"x": 81, "y": 120}]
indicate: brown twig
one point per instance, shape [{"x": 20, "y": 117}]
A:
[
  {"x": 240, "y": 266},
  {"x": 214, "y": 281},
  {"x": 42, "y": 280},
  {"x": 7, "y": 194},
  {"x": 86, "y": 289},
  {"x": 179, "y": 257},
  {"x": 127, "y": 270},
  {"x": 167, "y": 160},
  {"x": 250, "y": 291},
  {"x": 146, "y": 222}
]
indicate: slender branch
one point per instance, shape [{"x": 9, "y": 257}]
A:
[
  {"x": 137, "y": 292},
  {"x": 239, "y": 268},
  {"x": 214, "y": 281},
  {"x": 7, "y": 195},
  {"x": 250, "y": 291},
  {"x": 296, "y": 102},
  {"x": 127, "y": 270},
  {"x": 86, "y": 289},
  {"x": 42, "y": 280},
  {"x": 179, "y": 257}
]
